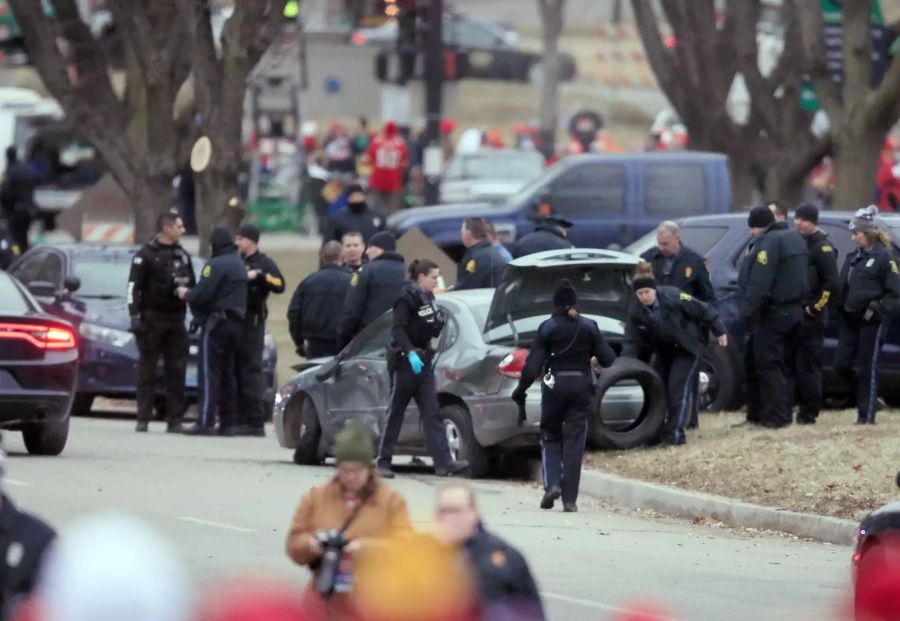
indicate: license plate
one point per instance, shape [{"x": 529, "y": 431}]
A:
[{"x": 190, "y": 379}]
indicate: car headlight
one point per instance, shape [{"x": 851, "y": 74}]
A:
[{"x": 111, "y": 336}]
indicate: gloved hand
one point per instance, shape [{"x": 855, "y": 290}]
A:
[
  {"x": 136, "y": 326},
  {"x": 415, "y": 362},
  {"x": 873, "y": 311},
  {"x": 519, "y": 397}
]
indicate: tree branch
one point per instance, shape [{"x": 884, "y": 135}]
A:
[
  {"x": 207, "y": 70},
  {"x": 809, "y": 15},
  {"x": 884, "y": 108}
]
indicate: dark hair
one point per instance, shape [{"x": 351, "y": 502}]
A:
[
  {"x": 477, "y": 227},
  {"x": 353, "y": 234},
  {"x": 166, "y": 219},
  {"x": 421, "y": 266},
  {"x": 781, "y": 208},
  {"x": 330, "y": 253}
]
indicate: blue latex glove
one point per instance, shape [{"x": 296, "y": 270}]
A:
[{"x": 415, "y": 362}]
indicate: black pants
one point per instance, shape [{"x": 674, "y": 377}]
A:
[
  {"x": 249, "y": 372},
  {"x": 768, "y": 388},
  {"x": 162, "y": 335},
  {"x": 19, "y": 223},
  {"x": 808, "y": 349},
  {"x": 422, "y": 388},
  {"x": 856, "y": 361},
  {"x": 321, "y": 348},
  {"x": 677, "y": 368},
  {"x": 218, "y": 349},
  {"x": 565, "y": 411},
  {"x": 694, "y": 402}
]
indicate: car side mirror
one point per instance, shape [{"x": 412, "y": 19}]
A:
[
  {"x": 72, "y": 284},
  {"x": 329, "y": 369},
  {"x": 42, "y": 289}
]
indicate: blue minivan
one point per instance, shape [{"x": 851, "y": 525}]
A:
[{"x": 612, "y": 199}]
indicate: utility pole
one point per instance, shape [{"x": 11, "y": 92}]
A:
[{"x": 434, "y": 83}]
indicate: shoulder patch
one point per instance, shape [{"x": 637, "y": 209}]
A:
[
  {"x": 207, "y": 270},
  {"x": 894, "y": 267},
  {"x": 685, "y": 296},
  {"x": 470, "y": 266},
  {"x": 827, "y": 248},
  {"x": 762, "y": 258},
  {"x": 354, "y": 279},
  {"x": 138, "y": 260},
  {"x": 688, "y": 271}
]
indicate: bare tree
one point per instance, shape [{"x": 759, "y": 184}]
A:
[
  {"x": 552, "y": 25},
  {"x": 860, "y": 113}
]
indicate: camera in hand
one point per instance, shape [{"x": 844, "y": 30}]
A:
[{"x": 333, "y": 543}]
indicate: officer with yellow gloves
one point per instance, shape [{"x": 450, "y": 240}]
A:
[{"x": 822, "y": 287}]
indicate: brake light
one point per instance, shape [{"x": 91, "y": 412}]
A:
[
  {"x": 42, "y": 337},
  {"x": 358, "y": 38},
  {"x": 513, "y": 363}
]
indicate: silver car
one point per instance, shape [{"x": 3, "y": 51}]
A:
[
  {"x": 490, "y": 175},
  {"x": 480, "y": 356}
]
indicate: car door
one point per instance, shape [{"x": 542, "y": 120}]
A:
[
  {"x": 28, "y": 268},
  {"x": 481, "y": 47},
  {"x": 593, "y": 196}
]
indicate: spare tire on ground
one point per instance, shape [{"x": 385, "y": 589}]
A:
[{"x": 646, "y": 426}]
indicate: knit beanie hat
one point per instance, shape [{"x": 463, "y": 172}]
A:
[
  {"x": 760, "y": 218},
  {"x": 220, "y": 238},
  {"x": 808, "y": 212},
  {"x": 643, "y": 282},
  {"x": 864, "y": 219},
  {"x": 384, "y": 240},
  {"x": 564, "y": 295},
  {"x": 354, "y": 443}
]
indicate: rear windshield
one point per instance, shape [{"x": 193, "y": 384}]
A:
[
  {"x": 11, "y": 299},
  {"x": 103, "y": 277}
]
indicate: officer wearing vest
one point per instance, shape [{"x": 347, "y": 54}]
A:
[
  {"x": 373, "y": 288},
  {"x": 158, "y": 269},
  {"x": 550, "y": 234},
  {"x": 670, "y": 324},
  {"x": 482, "y": 265},
  {"x": 823, "y": 287},
  {"x": 263, "y": 278},
  {"x": 561, "y": 353},
  {"x": 219, "y": 302},
  {"x": 772, "y": 280}
]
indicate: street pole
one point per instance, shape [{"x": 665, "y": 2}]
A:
[
  {"x": 434, "y": 82},
  {"x": 301, "y": 84}
]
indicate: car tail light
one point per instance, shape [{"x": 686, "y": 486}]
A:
[
  {"x": 358, "y": 38},
  {"x": 41, "y": 336},
  {"x": 512, "y": 365}
]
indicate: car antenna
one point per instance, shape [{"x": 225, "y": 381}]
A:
[{"x": 512, "y": 326}]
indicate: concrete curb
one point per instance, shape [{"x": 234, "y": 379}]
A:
[{"x": 679, "y": 503}]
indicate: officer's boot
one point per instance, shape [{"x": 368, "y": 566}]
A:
[
  {"x": 550, "y": 497},
  {"x": 452, "y": 468}
]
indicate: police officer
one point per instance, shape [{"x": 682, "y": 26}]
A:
[
  {"x": 219, "y": 302},
  {"x": 355, "y": 217},
  {"x": 870, "y": 293},
  {"x": 315, "y": 308},
  {"x": 482, "y": 265},
  {"x": 373, "y": 288},
  {"x": 822, "y": 288},
  {"x": 354, "y": 249},
  {"x": 9, "y": 249},
  {"x": 671, "y": 324},
  {"x": 263, "y": 278},
  {"x": 550, "y": 234},
  {"x": 562, "y": 353},
  {"x": 17, "y": 197},
  {"x": 157, "y": 320},
  {"x": 773, "y": 285},
  {"x": 416, "y": 321}
]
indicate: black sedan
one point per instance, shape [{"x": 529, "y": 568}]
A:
[
  {"x": 722, "y": 240},
  {"x": 38, "y": 370},
  {"x": 86, "y": 285}
]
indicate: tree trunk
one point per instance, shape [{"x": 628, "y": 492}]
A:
[
  {"x": 784, "y": 183},
  {"x": 151, "y": 195},
  {"x": 856, "y": 161},
  {"x": 552, "y": 20},
  {"x": 743, "y": 182}
]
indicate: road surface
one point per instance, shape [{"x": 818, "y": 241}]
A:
[{"x": 226, "y": 503}]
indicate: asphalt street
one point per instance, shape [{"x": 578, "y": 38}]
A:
[{"x": 227, "y": 502}]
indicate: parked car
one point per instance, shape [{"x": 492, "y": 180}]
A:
[
  {"x": 723, "y": 240},
  {"x": 480, "y": 357},
  {"x": 877, "y": 546},
  {"x": 38, "y": 370},
  {"x": 489, "y": 175},
  {"x": 612, "y": 199},
  {"x": 86, "y": 285},
  {"x": 484, "y": 49}
]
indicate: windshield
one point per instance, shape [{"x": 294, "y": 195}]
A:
[
  {"x": 103, "y": 277},
  {"x": 11, "y": 300},
  {"x": 524, "y": 165},
  {"x": 535, "y": 186}
]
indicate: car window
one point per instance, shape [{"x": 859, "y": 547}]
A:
[
  {"x": 450, "y": 334},
  {"x": 674, "y": 190},
  {"x": 103, "y": 277},
  {"x": 590, "y": 188},
  {"x": 11, "y": 299},
  {"x": 840, "y": 239},
  {"x": 27, "y": 270},
  {"x": 702, "y": 239},
  {"x": 373, "y": 341},
  {"x": 470, "y": 34},
  {"x": 51, "y": 270}
]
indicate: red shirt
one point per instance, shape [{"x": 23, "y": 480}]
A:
[{"x": 390, "y": 157}]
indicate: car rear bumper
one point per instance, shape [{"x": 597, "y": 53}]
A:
[
  {"x": 18, "y": 407},
  {"x": 43, "y": 390}
]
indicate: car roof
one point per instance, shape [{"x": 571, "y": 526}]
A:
[
  {"x": 89, "y": 248},
  {"x": 574, "y": 256},
  {"x": 502, "y": 153},
  {"x": 669, "y": 156},
  {"x": 469, "y": 296},
  {"x": 728, "y": 218}
]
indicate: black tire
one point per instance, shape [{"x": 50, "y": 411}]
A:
[
  {"x": 724, "y": 373},
  {"x": 82, "y": 404},
  {"x": 647, "y": 426},
  {"x": 48, "y": 438},
  {"x": 458, "y": 423},
  {"x": 307, "y": 452}
]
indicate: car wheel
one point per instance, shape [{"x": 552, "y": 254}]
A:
[
  {"x": 48, "y": 438},
  {"x": 719, "y": 374},
  {"x": 462, "y": 442},
  {"x": 646, "y": 427},
  {"x": 307, "y": 451},
  {"x": 536, "y": 73},
  {"x": 82, "y": 404}
]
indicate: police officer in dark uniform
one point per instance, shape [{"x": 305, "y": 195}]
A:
[
  {"x": 373, "y": 288},
  {"x": 823, "y": 286},
  {"x": 870, "y": 294},
  {"x": 157, "y": 320},
  {"x": 562, "y": 353},
  {"x": 550, "y": 234},
  {"x": 671, "y": 324},
  {"x": 315, "y": 309},
  {"x": 416, "y": 321},
  {"x": 773, "y": 284},
  {"x": 219, "y": 302},
  {"x": 17, "y": 197},
  {"x": 263, "y": 278},
  {"x": 357, "y": 216},
  {"x": 482, "y": 265}
]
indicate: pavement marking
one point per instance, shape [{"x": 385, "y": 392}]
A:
[
  {"x": 15, "y": 483},
  {"x": 584, "y": 602},
  {"x": 237, "y": 529}
]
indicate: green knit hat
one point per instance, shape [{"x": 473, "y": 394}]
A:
[{"x": 354, "y": 443}]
